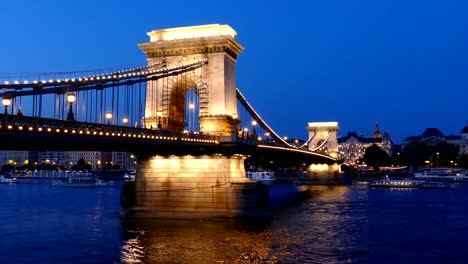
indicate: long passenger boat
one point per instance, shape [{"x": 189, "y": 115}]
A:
[
  {"x": 441, "y": 175},
  {"x": 390, "y": 183}
]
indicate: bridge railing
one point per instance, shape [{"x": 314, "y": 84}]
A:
[{"x": 39, "y": 124}]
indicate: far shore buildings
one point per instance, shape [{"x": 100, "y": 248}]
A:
[
  {"x": 66, "y": 159},
  {"x": 352, "y": 146},
  {"x": 432, "y": 136}
]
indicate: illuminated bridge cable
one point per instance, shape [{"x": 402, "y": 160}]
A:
[
  {"x": 308, "y": 141},
  {"x": 260, "y": 121},
  {"x": 323, "y": 143}
]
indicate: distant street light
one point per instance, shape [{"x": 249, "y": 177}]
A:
[
  {"x": 398, "y": 155},
  {"x": 159, "y": 114},
  {"x": 437, "y": 159},
  {"x": 70, "y": 99},
  {"x": 125, "y": 121},
  {"x": 254, "y": 124},
  {"x": 6, "y": 102},
  {"x": 234, "y": 116},
  {"x": 246, "y": 131},
  {"x": 109, "y": 117}
]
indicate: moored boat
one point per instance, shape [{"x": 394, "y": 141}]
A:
[
  {"x": 7, "y": 180},
  {"x": 129, "y": 175},
  {"x": 441, "y": 175},
  {"x": 262, "y": 176},
  {"x": 390, "y": 183},
  {"x": 80, "y": 182}
]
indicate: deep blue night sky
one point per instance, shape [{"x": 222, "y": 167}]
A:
[{"x": 403, "y": 64}]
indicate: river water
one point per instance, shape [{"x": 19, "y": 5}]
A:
[{"x": 43, "y": 223}]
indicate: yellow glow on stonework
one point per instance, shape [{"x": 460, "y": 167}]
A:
[{"x": 191, "y": 32}]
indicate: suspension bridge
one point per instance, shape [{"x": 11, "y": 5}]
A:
[{"x": 182, "y": 115}]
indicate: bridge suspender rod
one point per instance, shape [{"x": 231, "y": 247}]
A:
[
  {"x": 55, "y": 107},
  {"x": 116, "y": 114},
  {"x": 117, "y": 104},
  {"x": 102, "y": 107},
  {"x": 33, "y": 106},
  {"x": 40, "y": 104},
  {"x": 139, "y": 103}
]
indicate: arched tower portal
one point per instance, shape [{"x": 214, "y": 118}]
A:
[{"x": 214, "y": 83}]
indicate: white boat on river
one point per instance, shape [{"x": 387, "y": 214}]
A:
[
  {"x": 392, "y": 183},
  {"x": 80, "y": 182},
  {"x": 441, "y": 175},
  {"x": 7, "y": 180},
  {"x": 262, "y": 176}
]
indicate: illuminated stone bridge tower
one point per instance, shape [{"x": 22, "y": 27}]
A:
[
  {"x": 323, "y": 137},
  {"x": 214, "y": 83},
  {"x": 174, "y": 185}
]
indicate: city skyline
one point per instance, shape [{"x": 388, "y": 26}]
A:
[{"x": 402, "y": 65}]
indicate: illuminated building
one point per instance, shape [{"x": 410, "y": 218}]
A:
[{"x": 352, "y": 146}]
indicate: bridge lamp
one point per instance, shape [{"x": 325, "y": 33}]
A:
[
  {"x": 267, "y": 135},
  {"x": 159, "y": 115},
  {"x": 245, "y": 131},
  {"x": 254, "y": 123},
  {"x": 125, "y": 121},
  {"x": 234, "y": 116},
  {"x": 6, "y": 102},
  {"x": 108, "y": 117},
  {"x": 71, "y": 99}
]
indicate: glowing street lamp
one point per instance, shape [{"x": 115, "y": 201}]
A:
[
  {"x": 246, "y": 131},
  {"x": 437, "y": 159},
  {"x": 6, "y": 102},
  {"x": 125, "y": 121},
  {"x": 159, "y": 115},
  {"x": 254, "y": 123},
  {"x": 108, "y": 117},
  {"x": 398, "y": 155},
  {"x": 70, "y": 99}
]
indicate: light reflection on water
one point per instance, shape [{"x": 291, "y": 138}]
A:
[{"x": 314, "y": 231}]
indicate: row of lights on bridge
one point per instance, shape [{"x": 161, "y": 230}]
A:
[
  {"x": 119, "y": 74},
  {"x": 113, "y": 134},
  {"x": 71, "y": 98}
]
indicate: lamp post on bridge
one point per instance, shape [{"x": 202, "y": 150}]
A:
[
  {"x": 254, "y": 124},
  {"x": 6, "y": 101},
  {"x": 234, "y": 117},
  {"x": 109, "y": 117},
  {"x": 246, "y": 131},
  {"x": 125, "y": 121},
  {"x": 71, "y": 99},
  {"x": 159, "y": 115}
]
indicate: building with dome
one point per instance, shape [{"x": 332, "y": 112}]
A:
[
  {"x": 352, "y": 146},
  {"x": 432, "y": 136}
]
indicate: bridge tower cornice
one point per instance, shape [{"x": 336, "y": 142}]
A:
[{"x": 182, "y": 47}]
